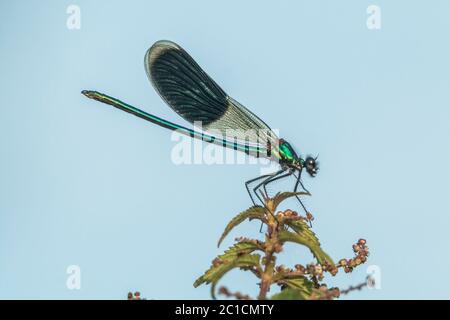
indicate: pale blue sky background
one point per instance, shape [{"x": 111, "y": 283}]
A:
[{"x": 83, "y": 184}]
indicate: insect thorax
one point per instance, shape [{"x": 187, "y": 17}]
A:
[{"x": 287, "y": 154}]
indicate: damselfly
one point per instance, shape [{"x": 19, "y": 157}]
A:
[{"x": 197, "y": 98}]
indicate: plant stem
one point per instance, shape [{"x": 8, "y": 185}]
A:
[
  {"x": 266, "y": 277},
  {"x": 271, "y": 242}
]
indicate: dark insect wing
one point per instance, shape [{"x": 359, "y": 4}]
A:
[
  {"x": 185, "y": 87},
  {"x": 190, "y": 92}
]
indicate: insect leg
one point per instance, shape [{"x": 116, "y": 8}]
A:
[
  {"x": 266, "y": 182},
  {"x": 270, "y": 176},
  {"x": 247, "y": 183},
  {"x": 299, "y": 182}
]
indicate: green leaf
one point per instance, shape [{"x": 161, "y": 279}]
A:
[
  {"x": 303, "y": 235},
  {"x": 238, "y": 256},
  {"x": 256, "y": 212},
  {"x": 280, "y": 197},
  {"x": 299, "y": 283},
  {"x": 289, "y": 294},
  {"x": 299, "y": 288},
  {"x": 302, "y": 228}
]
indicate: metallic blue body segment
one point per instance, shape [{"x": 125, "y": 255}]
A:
[{"x": 255, "y": 151}]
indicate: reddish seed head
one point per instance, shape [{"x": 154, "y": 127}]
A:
[
  {"x": 361, "y": 242},
  {"x": 216, "y": 262},
  {"x": 334, "y": 271},
  {"x": 300, "y": 268},
  {"x": 343, "y": 262},
  {"x": 323, "y": 288},
  {"x": 278, "y": 248},
  {"x": 336, "y": 292},
  {"x": 318, "y": 269},
  {"x": 223, "y": 290}
]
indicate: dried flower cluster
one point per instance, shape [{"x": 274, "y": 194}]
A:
[
  {"x": 299, "y": 282},
  {"x": 134, "y": 296},
  {"x": 361, "y": 253}
]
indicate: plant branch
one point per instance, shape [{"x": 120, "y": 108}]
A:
[{"x": 302, "y": 281}]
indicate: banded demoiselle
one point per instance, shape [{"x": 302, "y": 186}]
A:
[{"x": 197, "y": 98}]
